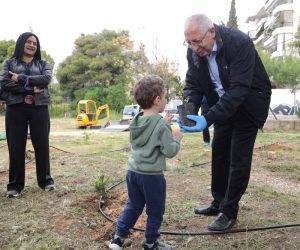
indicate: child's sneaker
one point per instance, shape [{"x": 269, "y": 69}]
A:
[
  {"x": 157, "y": 246},
  {"x": 116, "y": 244}
]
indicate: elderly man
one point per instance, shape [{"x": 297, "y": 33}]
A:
[{"x": 224, "y": 66}]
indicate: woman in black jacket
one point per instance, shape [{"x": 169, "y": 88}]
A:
[{"x": 25, "y": 79}]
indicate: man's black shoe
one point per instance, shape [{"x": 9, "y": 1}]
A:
[
  {"x": 221, "y": 223},
  {"x": 211, "y": 210}
]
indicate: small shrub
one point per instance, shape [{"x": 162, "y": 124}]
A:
[
  {"x": 101, "y": 184},
  {"x": 86, "y": 138}
]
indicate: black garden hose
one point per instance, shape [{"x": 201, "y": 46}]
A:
[{"x": 238, "y": 230}]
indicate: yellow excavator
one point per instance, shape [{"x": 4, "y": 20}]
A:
[{"x": 88, "y": 114}]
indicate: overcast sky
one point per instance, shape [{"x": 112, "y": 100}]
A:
[{"x": 58, "y": 23}]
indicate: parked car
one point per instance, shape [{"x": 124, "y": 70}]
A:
[
  {"x": 171, "y": 107},
  {"x": 130, "y": 111}
]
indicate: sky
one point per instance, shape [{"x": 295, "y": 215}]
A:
[{"x": 156, "y": 23}]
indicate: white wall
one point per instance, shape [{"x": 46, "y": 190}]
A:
[{"x": 282, "y": 101}]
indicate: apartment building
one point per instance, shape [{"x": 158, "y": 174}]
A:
[{"x": 274, "y": 26}]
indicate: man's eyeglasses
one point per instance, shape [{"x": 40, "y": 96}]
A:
[{"x": 195, "y": 42}]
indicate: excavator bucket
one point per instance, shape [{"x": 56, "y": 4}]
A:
[{"x": 107, "y": 124}]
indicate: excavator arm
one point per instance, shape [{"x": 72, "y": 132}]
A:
[{"x": 107, "y": 111}]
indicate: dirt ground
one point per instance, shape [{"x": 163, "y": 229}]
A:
[{"x": 69, "y": 217}]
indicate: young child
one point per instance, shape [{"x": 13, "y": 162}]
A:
[{"x": 152, "y": 141}]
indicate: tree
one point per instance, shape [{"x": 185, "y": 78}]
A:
[
  {"x": 107, "y": 61},
  {"x": 269, "y": 64},
  {"x": 296, "y": 43},
  {"x": 139, "y": 66},
  {"x": 103, "y": 61},
  {"x": 6, "y": 50},
  {"x": 98, "y": 60},
  {"x": 283, "y": 71},
  {"x": 232, "y": 21},
  {"x": 166, "y": 70},
  {"x": 289, "y": 73},
  {"x": 48, "y": 58}
]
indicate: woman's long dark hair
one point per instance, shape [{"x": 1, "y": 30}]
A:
[{"x": 19, "y": 50}]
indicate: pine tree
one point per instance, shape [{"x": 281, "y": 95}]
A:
[{"x": 232, "y": 21}]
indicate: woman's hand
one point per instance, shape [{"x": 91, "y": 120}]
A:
[
  {"x": 14, "y": 76},
  {"x": 37, "y": 90}
]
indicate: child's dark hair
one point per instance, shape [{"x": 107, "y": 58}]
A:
[{"x": 147, "y": 89}]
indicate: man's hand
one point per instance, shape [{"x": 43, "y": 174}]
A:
[{"x": 201, "y": 124}]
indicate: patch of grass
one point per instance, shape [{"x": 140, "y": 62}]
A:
[
  {"x": 267, "y": 193},
  {"x": 290, "y": 168},
  {"x": 178, "y": 213},
  {"x": 181, "y": 170},
  {"x": 115, "y": 115},
  {"x": 289, "y": 171},
  {"x": 268, "y": 137},
  {"x": 68, "y": 218},
  {"x": 86, "y": 138}
]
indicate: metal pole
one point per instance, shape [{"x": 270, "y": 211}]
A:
[{"x": 273, "y": 113}]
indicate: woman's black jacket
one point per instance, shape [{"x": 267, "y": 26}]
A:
[{"x": 36, "y": 73}]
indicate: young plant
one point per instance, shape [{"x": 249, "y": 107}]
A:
[
  {"x": 186, "y": 108},
  {"x": 101, "y": 184},
  {"x": 178, "y": 89}
]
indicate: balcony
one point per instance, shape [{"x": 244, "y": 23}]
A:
[
  {"x": 267, "y": 40},
  {"x": 283, "y": 30},
  {"x": 271, "y": 35},
  {"x": 260, "y": 40},
  {"x": 272, "y": 4},
  {"x": 282, "y": 8}
]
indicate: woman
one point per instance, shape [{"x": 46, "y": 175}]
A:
[{"x": 25, "y": 78}]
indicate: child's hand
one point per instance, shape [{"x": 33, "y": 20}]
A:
[
  {"x": 169, "y": 116},
  {"x": 177, "y": 134}
]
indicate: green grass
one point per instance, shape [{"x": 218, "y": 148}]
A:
[
  {"x": 286, "y": 170},
  {"x": 68, "y": 218}
]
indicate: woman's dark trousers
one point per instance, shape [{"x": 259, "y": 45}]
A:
[{"x": 17, "y": 119}]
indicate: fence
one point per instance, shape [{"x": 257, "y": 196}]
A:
[
  {"x": 61, "y": 110},
  {"x": 55, "y": 110}
]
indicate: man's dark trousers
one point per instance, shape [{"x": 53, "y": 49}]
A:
[{"x": 232, "y": 151}]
